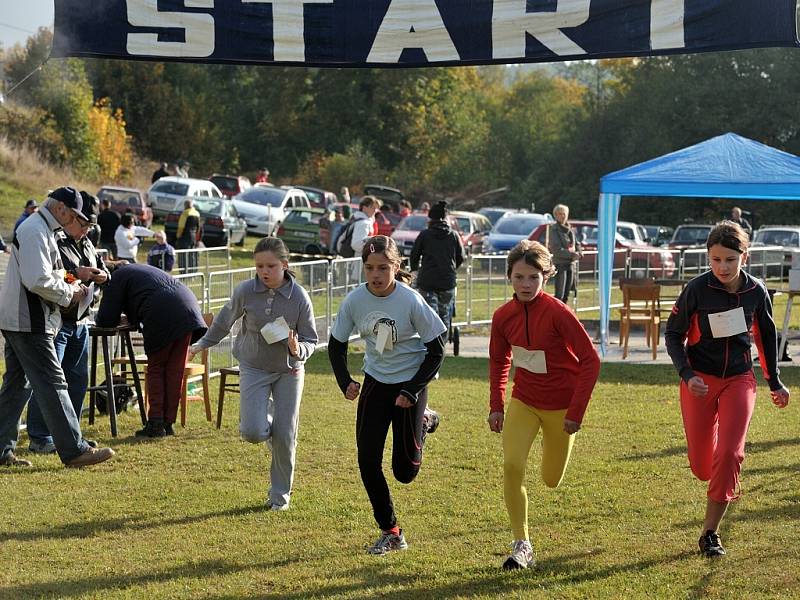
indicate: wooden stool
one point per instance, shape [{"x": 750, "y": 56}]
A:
[
  {"x": 103, "y": 333},
  {"x": 225, "y": 386}
]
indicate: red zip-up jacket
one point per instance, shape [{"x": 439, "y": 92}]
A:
[
  {"x": 573, "y": 366},
  {"x": 691, "y": 345}
]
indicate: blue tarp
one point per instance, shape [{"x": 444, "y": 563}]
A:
[{"x": 727, "y": 166}]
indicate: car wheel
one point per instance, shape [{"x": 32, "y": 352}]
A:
[{"x": 241, "y": 241}]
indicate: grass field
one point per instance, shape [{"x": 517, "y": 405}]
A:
[{"x": 184, "y": 518}]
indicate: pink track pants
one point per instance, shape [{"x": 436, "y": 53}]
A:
[{"x": 716, "y": 427}]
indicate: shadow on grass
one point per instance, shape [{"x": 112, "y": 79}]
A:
[
  {"x": 88, "y": 529},
  {"x": 67, "y": 588},
  {"x": 381, "y": 579},
  {"x": 750, "y": 448}
]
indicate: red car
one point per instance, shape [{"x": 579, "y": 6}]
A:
[
  {"x": 644, "y": 257},
  {"x": 127, "y": 199},
  {"x": 230, "y": 185}
]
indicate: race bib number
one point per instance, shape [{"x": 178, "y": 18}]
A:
[
  {"x": 530, "y": 360},
  {"x": 728, "y": 323},
  {"x": 276, "y": 331}
]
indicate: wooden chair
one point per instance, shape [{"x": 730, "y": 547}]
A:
[
  {"x": 225, "y": 386},
  {"x": 195, "y": 371},
  {"x": 641, "y": 304}
]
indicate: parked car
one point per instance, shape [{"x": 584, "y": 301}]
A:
[
  {"x": 410, "y": 227},
  {"x": 387, "y": 222},
  {"x": 778, "y": 263},
  {"x": 658, "y": 234},
  {"x": 264, "y": 207},
  {"x": 388, "y": 195},
  {"x": 123, "y": 199},
  {"x": 474, "y": 227},
  {"x": 302, "y": 230},
  {"x": 168, "y": 193},
  {"x": 220, "y": 223},
  {"x": 494, "y": 213},
  {"x": 645, "y": 258},
  {"x": 230, "y": 185},
  {"x": 318, "y": 198},
  {"x": 690, "y": 236},
  {"x": 511, "y": 229}
]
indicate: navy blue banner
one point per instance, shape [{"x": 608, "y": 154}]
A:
[{"x": 358, "y": 33}]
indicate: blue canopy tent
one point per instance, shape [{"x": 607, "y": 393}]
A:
[{"x": 727, "y": 166}]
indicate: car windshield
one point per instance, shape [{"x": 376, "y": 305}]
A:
[
  {"x": 263, "y": 196},
  {"x": 128, "y": 197},
  {"x": 302, "y": 217},
  {"x": 413, "y": 223},
  {"x": 170, "y": 187},
  {"x": 516, "y": 225},
  {"x": 226, "y": 184},
  {"x": 627, "y": 232},
  {"x": 463, "y": 223},
  {"x": 778, "y": 237},
  {"x": 691, "y": 235},
  {"x": 208, "y": 206},
  {"x": 314, "y": 196}
]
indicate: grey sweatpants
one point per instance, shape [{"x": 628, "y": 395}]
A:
[{"x": 270, "y": 409}]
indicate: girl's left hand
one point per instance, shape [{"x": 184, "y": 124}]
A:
[
  {"x": 403, "y": 402},
  {"x": 780, "y": 398},
  {"x": 294, "y": 345},
  {"x": 571, "y": 426}
]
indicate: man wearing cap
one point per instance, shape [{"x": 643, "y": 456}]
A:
[
  {"x": 30, "y": 208},
  {"x": 81, "y": 263},
  {"x": 34, "y": 290}
]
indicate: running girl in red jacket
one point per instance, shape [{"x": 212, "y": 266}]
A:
[
  {"x": 708, "y": 339},
  {"x": 556, "y": 370}
]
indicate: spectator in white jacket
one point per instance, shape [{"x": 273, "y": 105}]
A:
[
  {"x": 364, "y": 225},
  {"x": 127, "y": 237}
]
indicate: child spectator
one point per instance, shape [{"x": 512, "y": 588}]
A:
[{"x": 161, "y": 255}]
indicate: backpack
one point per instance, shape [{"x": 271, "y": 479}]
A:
[
  {"x": 344, "y": 242},
  {"x": 124, "y": 396}
]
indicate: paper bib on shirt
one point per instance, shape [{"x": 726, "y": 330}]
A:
[
  {"x": 530, "y": 360},
  {"x": 728, "y": 323},
  {"x": 275, "y": 331}
]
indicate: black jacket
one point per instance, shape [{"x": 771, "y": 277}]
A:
[
  {"x": 726, "y": 356},
  {"x": 441, "y": 252},
  {"x": 161, "y": 306},
  {"x": 108, "y": 220},
  {"x": 73, "y": 255}
]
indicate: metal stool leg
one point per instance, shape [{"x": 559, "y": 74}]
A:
[
  {"x": 135, "y": 372},
  {"x": 93, "y": 381},
  {"x": 112, "y": 406}
]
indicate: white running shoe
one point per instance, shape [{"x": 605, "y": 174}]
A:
[
  {"x": 521, "y": 556},
  {"x": 387, "y": 543}
]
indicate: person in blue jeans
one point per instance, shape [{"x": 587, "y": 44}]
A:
[
  {"x": 436, "y": 255},
  {"x": 81, "y": 264}
]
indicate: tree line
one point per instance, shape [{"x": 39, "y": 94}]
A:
[{"x": 545, "y": 135}]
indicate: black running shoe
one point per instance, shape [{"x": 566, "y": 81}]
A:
[
  {"x": 711, "y": 544},
  {"x": 168, "y": 429}
]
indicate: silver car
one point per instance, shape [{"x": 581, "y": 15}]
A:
[
  {"x": 264, "y": 207},
  {"x": 169, "y": 193}
]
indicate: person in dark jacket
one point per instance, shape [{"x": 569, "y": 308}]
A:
[
  {"x": 187, "y": 236},
  {"x": 161, "y": 172},
  {"x": 170, "y": 320},
  {"x": 441, "y": 252},
  {"x": 708, "y": 338},
  {"x": 108, "y": 220},
  {"x": 566, "y": 251}
]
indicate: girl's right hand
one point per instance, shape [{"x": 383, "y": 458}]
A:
[
  {"x": 194, "y": 350},
  {"x": 697, "y": 387},
  {"x": 496, "y": 421},
  {"x": 352, "y": 390}
]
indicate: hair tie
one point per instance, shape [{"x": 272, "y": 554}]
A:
[{"x": 372, "y": 248}]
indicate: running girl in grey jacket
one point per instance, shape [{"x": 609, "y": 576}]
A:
[{"x": 276, "y": 337}]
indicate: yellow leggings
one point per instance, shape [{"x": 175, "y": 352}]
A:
[{"x": 522, "y": 423}]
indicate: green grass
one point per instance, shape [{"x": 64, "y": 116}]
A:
[{"x": 183, "y": 517}]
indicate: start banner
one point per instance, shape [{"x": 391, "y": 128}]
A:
[{"x": 408, "y": 33}]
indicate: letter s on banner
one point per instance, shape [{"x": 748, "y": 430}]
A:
[
  {"x": 198, "y": 28},
  {"x": 511, "y": 21}
]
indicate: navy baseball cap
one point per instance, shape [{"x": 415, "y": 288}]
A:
[{"x": 71, "y": 199}]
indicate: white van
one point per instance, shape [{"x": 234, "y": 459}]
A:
[{"x": 168, "y": 193}]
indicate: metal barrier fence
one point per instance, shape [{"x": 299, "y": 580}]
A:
[
  {"x": 204, "y": 260},
  {"x": 482, "y": 285}
]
